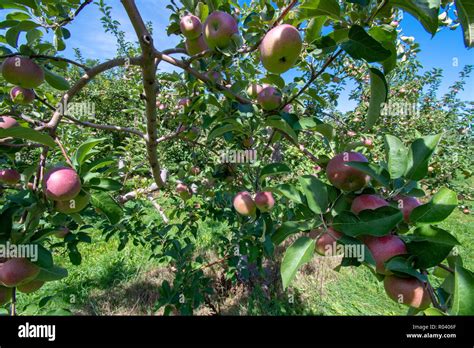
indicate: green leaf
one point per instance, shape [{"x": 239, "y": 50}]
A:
[
  {"x": 433, "y": 312},
  {"x": 278, "y": 123},
  {"x": 403, "y": 266},
  {"x": 83, "y": 152},
  {"x": 374, "y": 171},
  {"x": 419, "y": 156},
  {"x": 220, "y": 130},
  {"x": 45, "y": 258},
  {"x": 463, "y": 300},
  {"x": 52, "y": 274},
  {"x": 27, "y": 134},
  {"x": 108, "y": 206},
  {"x": 105, "y": 184},
  {"x": 55, "y": 81},
  {"x": 438, "y": 209},
  {"x": 12, "y": 36},
  {"x": 396, "y": 156},
  {"x": 465, "y": 10},
  {"x": 289, "y": 191},
  {"x": 316, "y": 193},
  {"x": 274, "y": 169},
  {"x": 430, "y": 244},
  {"x": 314, "y": 28},
  {"x": 275, "y": 80},
  {"x": 387, "y": 37},
  {"x": 378, "y": 96},
  {"x": 325, "y": 129},
  {"x": 426, "y": 11},
  {"x": 299, "y": 253},
  {"x": 378, "y": 222},
  {"x": 312, "y": 8},
  {"x": 288, "y": 228},
  {"x": 361, "y": 45}
]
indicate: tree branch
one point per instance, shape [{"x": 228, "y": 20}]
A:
[
  {"x": 183, "y": 65},
  {"x": 42, "y": 56},
  {"x": 313, "y": 77},
  {"x": 149, "y": 84},
  {"x": 106, "y": 127}
]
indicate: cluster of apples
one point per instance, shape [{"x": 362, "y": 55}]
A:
[
  {"x": 25, "y": 75},
  {"x": 279, "y": 49},
  {"x": 410, "y": 291},
  {"x": 245, "y": 205},
  {"x": 20, "y": 273},
  {"x": 218, "y": 32}
]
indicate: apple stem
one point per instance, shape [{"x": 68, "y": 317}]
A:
[
  {"x": 432, "y": 294},
  {"x": 449, "y": 269},
  {"x": 13, "y": 303}
]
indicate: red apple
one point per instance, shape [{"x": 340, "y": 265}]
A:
[
  {"x": 409, "y": 291},
  {"x": 280, "y": 48},
  {"x": 9, "y": 176},
  {"x": 407, "y": 204},
  {"x": 325, "y": 242},
  {"x": 345, "y": 177},
  {"x": 22, "y": 72},
  {"x": 384, "y": 248},
  {"x": 219, "y": 30},
  {"x": 183, "y": 191},
  {"x": 364, "y": 202},
  {"x": 22, "y": 96},
  {"x": 269, "y": 98},
  {"x": 195, "y": 46},
  {"x": 264, "y": 201},
  {"x": 17, "y": 271},
  {"x": 62, "y": 184},
  {"x": 191, "y": 27},
  {"x": 244, "y": 204},
  {"x": 8, "y": 122}
]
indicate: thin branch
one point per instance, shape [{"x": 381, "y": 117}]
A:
[
  {"x": 159, "y": 209},
  {"x": 377, "y": 10},
  {"x": 196, "y": 56},
  {"x": 134, "y": 194},
  {"x": 42, "y": 56},
  {"x": 432, "y": 294},
  {"x": 200, "y": 76},
  {"x": 313, "y": 77},
  {"x": 106, "y": 127},
  {"x": 63, "y": 150},
  {"x": 70, "y": 18}
]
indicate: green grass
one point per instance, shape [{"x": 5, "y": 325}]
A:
[{"x": 126, "y": 282}]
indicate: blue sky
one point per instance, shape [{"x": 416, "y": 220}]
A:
[{"x": 88, "y": 35}]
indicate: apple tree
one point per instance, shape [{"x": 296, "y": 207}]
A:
[{"x": 224, "y": 138}]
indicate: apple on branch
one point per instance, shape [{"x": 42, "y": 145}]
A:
[{"x": 280, "y": 48}]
